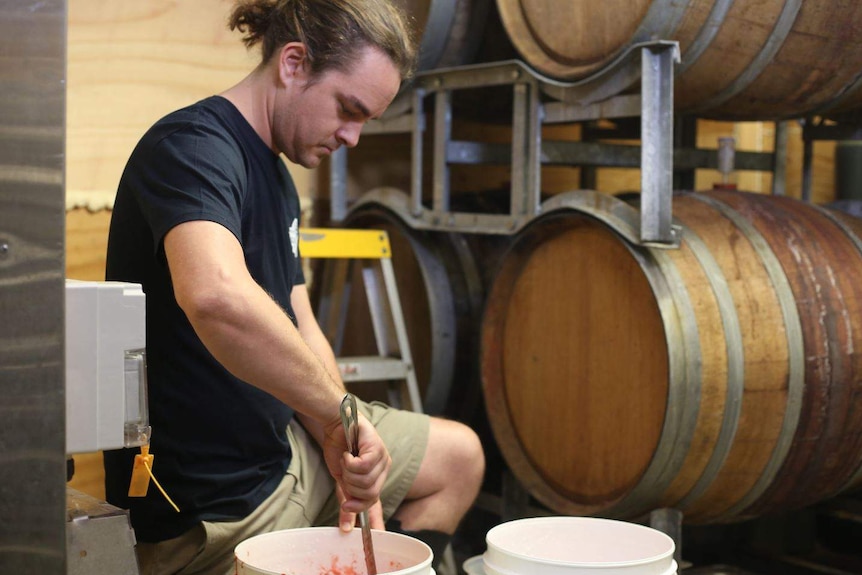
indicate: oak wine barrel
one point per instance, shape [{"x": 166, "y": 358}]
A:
[
  {"x": 742, "y": 59},
  {"x": 440, "y": 293},
  {"x": 448, "y": 32},
  {"x": 721, "y": 378},
  {"x": 454, "y": 33}
]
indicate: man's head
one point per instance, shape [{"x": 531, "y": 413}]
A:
[
  {"x": 312, "y": 116},
  {"x": 329, "y": 66},
  {"x": 333, "y": 31}
]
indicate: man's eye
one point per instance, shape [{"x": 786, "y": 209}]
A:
[{"x": 349, "y": 112}]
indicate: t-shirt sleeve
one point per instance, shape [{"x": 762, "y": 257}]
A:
[{"x": 189, "y": 174}]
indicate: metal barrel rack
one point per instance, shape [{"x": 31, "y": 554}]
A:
[{"x": 538, "y": 101}]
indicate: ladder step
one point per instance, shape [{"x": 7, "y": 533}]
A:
[{"x": 371, "y": 368}]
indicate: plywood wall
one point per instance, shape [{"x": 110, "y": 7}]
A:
[
  {"x": 130, "y": 63},
  {"x": 748, "y": 137}
]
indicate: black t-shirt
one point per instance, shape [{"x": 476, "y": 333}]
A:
[{"x": 220, "y": 444}]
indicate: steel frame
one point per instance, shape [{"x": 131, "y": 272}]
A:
[{"x": 538, "y": 100}]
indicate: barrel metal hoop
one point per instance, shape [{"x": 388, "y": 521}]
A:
[
  {"x": 796, "y": 359},
  {"x": 392, "y": 198},
  {"x": 440, "y": 300},
  {"x": 441, "y": 16},
  {"x": 661, "y": 20},
  {"x": 443, "y": 329},
  {"x": 735, "y": 366},
  {"x": 783, "y": 26},
  {"x": 684, "y": 362},
  {"x": 621, "y": 217},
  {"x": 683, "y": 388},
  {"x": 851, "y": 235},
  {"x": 850, "y": 91},
  {"x": 611, "y": 80},
  {"x": 705, "y": 35}
]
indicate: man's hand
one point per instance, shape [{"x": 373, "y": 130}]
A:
[
  {"x": 348, "y": 520},
  {"x": 359, "y": 479}
]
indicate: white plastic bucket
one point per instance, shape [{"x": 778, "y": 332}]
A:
[
  {"x": 473, "y": 565},
  {"x": 577, "y": 546},
  {"x": 480, "y": 568},
  {"x": 476, "y": 566},
  {"x": 327, "y": 550}
]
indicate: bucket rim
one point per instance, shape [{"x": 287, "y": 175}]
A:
[
  {"x": 482, "y": 568},
  {"x": 495, "y": 548},
  {"x": 328, "y": 530}
]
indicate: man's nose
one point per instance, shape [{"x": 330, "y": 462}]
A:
[{"x": 348, "y": 134}]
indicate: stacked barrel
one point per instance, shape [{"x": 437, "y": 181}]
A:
[{"x": 744, "y": 59}]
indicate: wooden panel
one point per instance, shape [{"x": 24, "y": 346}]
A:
[
  {"x": 86, "y": 244},
  {"x": 823, "y": 167},
  {"x": 89, "y": 474},
  {"x": 760, "y": 137},
  {"x": 130, "y": 63}
]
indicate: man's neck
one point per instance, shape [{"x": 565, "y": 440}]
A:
[{"x": 253, "y": 98}]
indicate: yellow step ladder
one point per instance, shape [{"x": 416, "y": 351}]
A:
[{"x": 369, "y": 247}]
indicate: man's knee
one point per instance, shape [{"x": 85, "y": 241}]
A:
[
  {"x": 464, "y": 455},
  {"x": 472, "y": 453}
]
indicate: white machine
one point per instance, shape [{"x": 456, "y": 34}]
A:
[
  {"x": 106, "y": 408},
  {"x": 106, "y": 384}
]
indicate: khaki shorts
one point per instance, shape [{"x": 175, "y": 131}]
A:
[{"x": 305, "y": 498}]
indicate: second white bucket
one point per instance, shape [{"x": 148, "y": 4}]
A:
[{"x": 577, "y": 546}]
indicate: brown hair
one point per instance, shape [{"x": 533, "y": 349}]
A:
[{"x": 333, "y": 31}]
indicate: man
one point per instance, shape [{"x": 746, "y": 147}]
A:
[{"x": 206, "y": 219}]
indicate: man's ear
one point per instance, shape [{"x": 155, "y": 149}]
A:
[{"x": 292, "y": 61}]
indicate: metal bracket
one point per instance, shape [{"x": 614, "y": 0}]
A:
[
  {"x": 657, "y": 144},
  {"x": 669, "y": 522},
  {"x": 814, "y": 129}
]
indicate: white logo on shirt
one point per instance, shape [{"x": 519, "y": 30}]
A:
[{"x": 293, "y": 233}]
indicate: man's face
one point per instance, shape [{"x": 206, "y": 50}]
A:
[{"x": 312, "y": 119}]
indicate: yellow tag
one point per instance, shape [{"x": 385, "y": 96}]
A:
[
  {"x": 142, "y": 471},
  {"x": 141, "y": 475}
]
